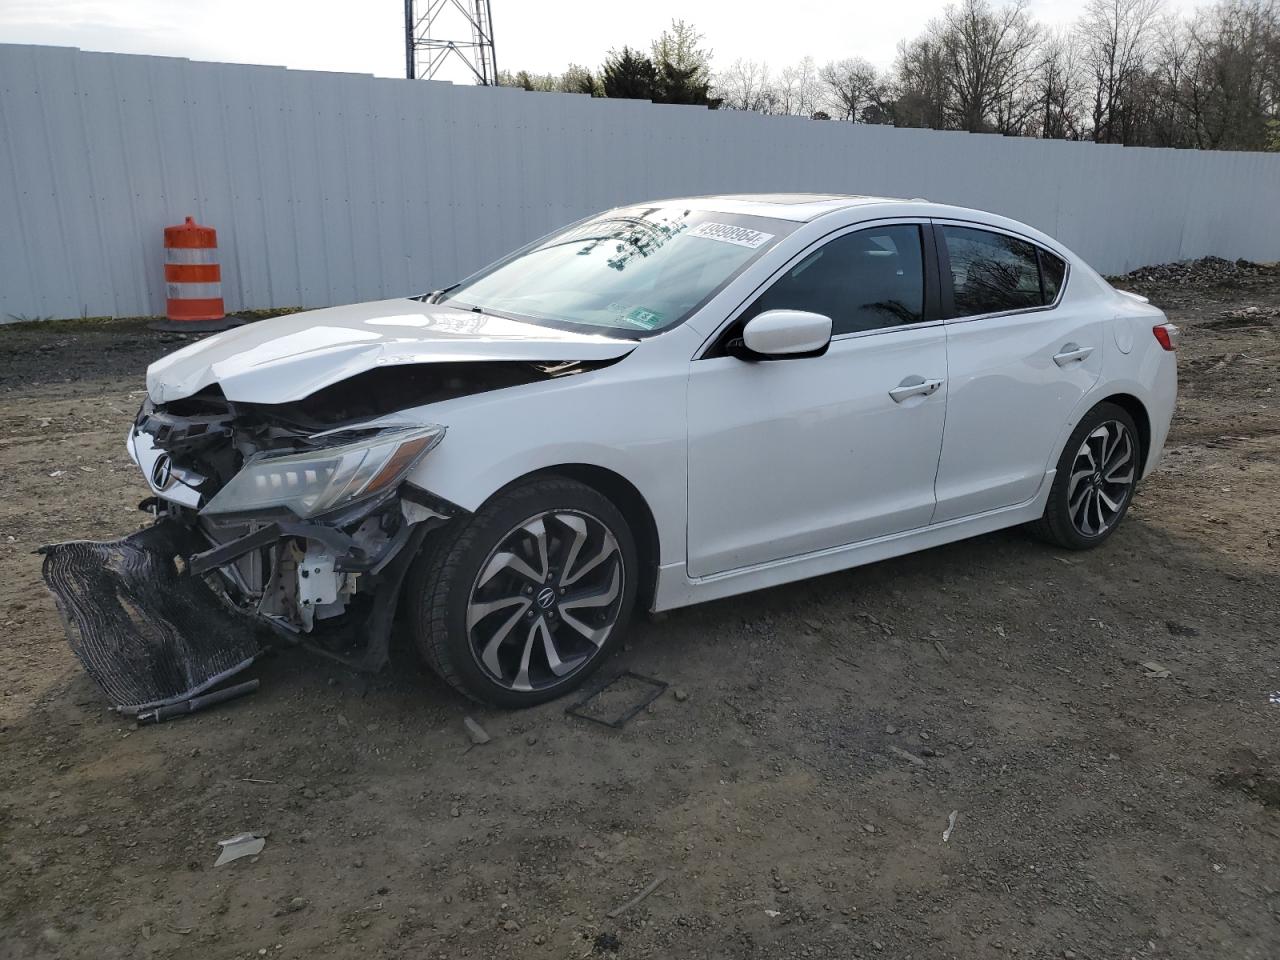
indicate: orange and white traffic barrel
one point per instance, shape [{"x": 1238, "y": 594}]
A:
[{"x": 192, "y": 274}]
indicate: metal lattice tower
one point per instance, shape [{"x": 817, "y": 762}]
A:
[{"x": 426, "y": 51}]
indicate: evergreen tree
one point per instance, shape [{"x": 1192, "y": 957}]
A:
[{"x": 630, "y": 75}]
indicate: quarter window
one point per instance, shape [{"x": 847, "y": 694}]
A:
[
  {"x": 992, "y": 272},
  {"x": 1053, "y": 270},
  {"x": 863, "y": 281}
]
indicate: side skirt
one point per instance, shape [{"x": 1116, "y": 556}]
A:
[{"x": 675, "y": 589}]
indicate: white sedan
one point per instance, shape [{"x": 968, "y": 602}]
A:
[{"x": 666, "y": 403}]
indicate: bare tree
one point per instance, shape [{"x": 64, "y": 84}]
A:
[
  {"x": 922, "y": 96},
  {"x": 745, "y": 86},
  {"x": 798, "y": 89},
  {"x": 1169, "y": 76},
  {"x": 852, "y": 86},
  {"x": 1116, "y": 37},
  {"x": 1058, "y": 88},
  {"x": 972, "y": 69},
  {"x": 989, "y": 55},
  {"x": 1124, "y": 73},
  {"x": 1234, "y": 71}
]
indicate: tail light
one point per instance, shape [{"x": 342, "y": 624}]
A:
[{"x": 1168, "y": 334}]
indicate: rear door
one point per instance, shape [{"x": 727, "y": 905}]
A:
[{"x": 1020, "y": 359}]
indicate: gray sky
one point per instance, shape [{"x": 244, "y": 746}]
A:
[{"x": 367, "y": 37}]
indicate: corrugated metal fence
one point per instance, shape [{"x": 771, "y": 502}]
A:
[{"x": 332, "y": 188}]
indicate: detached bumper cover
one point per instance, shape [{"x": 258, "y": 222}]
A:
[{"x": 149, "y": 635}]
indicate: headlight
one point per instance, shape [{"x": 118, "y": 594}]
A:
[{"x": 318, "y": 481}]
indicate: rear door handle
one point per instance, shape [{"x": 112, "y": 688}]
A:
[
  {"x": 1071, "y": 352},
  {"x": 914, "y": 386}
]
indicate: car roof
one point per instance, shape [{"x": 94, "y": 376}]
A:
[
  {"x": 805, "y": 207},
  {"x": 800, "y": 207}
]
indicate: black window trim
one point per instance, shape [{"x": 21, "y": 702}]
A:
[
  {"x": 948, "y": 288},
  {"x": 714, "y": 345}
]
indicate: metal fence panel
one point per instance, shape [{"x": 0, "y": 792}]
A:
[{"x": 330, "y": 188}]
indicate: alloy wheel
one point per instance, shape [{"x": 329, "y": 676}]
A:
[
  {"x": 1102, "y": 478},
  {"x": 545, "y": 600}
]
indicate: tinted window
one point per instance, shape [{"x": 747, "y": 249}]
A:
[
  {"x": 862, "y": 281},
  {"x": 991, "y": 272},
  {"x": 1053, "y": 271}
]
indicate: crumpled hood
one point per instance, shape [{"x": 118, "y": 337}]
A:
[{"x": 288, "y": 358}]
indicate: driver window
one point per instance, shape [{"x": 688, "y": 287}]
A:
[{"x": 863, "y": 281}]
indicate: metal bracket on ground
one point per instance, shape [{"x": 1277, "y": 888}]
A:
[{"x": 658, "y": 686}]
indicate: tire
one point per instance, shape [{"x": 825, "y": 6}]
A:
[
  {"x": 484, "y": 575},
  {"x": 1088, "y": 501}
]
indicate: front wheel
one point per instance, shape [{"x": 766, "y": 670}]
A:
[
  {"x": 1097, "y": 474},
  {"x": 522, "y": 601}
]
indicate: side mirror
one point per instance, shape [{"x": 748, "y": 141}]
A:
[{"x": 783, "y": 335}]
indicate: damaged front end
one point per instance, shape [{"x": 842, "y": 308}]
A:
[
  {"x": 278, "y": 455},
  {"x": 303, "y": 520},
  {"x": 265, "y": 516}
]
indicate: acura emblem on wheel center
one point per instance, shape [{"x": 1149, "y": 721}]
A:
[{"x": 546, "y": 597}]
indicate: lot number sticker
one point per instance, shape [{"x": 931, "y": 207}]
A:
[{"x": 728, "y": 233}]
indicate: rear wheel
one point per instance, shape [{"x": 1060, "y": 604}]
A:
[
  {"x": 1097, "y": 474},
  {"x": 522, "y": 601}
]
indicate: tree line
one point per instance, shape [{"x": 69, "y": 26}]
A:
[{"x": 1127, "y": 71}]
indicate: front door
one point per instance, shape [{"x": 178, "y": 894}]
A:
[{"x": 788, "y": 457}]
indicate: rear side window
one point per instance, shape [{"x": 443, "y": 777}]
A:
[
  {"x": 863, "y": 281},
  {"x": 1053, "y": 270},
  {"x": 992, "y": 272}
]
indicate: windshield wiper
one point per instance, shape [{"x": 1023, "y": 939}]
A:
[{"x": 435, "y": 296}]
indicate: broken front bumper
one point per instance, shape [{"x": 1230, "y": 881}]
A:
[
  {"x": 160, "y": 617},
  {"x": 150, "y": 634}
]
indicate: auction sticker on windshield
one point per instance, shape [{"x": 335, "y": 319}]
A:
[{"x": 728, "y": 233}]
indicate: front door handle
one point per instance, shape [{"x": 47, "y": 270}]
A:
[
  {"x": 1071, "y": 352},
  {"x": 914, "y": 386}
]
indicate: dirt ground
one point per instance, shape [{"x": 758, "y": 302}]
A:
[{"x": 790, "y": 790}]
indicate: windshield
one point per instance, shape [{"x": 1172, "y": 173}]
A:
[{"x": 638, "y": 270}]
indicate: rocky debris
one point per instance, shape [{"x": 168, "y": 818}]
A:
[
  {"x": 292, "y": 905},
  {"x": 911, "y": 758},
  {"x": 1252, "y": 312},
  {"x": 606, "y": 942},
  {"x": 1205, "y": 272},
  {"x": 1253, "y": 775}
]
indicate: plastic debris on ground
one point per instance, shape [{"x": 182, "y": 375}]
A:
[
  {"x": 244, "y": 845},
  {"x": 475, "y": 731},
  {"x": 152, "y": 636}
]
